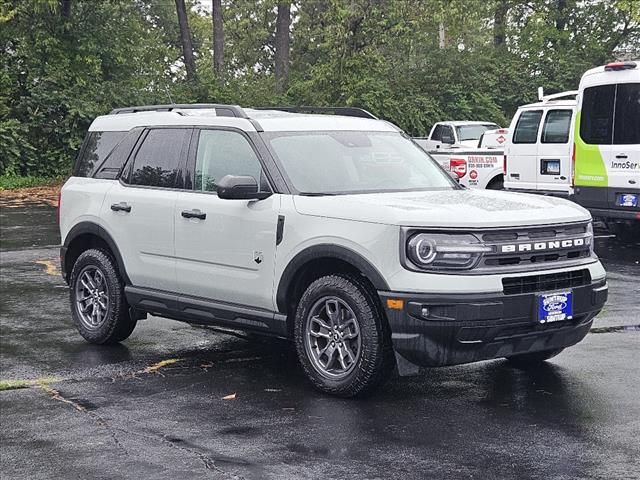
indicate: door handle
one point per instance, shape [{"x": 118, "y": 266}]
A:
[
  {"x": 563, "y": 178},
  {"x": 622, "y": 156},
  {"x": 195, "y": 213},
  {"x": 121, "y": 207}
]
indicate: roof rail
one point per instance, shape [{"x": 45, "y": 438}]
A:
[
  {"x": 555, "y": 96},
  {"x": 221, "y": 110},
  {"x": 346, "y": 111}
]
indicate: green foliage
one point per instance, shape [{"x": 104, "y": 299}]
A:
[
  {"x": 412, "y": 62},
  {"x": 12, "y": 182}
]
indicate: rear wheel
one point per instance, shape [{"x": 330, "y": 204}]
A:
[
  {"x": 496, "y": 183},
  {"x": 528, "y": 360},
  {"x": 341, "y": 337},
  {"x": 98, "y": 306},
  {"x": 627, "y": 233}
]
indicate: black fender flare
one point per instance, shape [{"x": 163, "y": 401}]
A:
[
  {"x": 325, "y": 251},
  {"x": 92, "y": 228}
]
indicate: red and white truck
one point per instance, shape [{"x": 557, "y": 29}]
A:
[{"x": 481, "y": 166}]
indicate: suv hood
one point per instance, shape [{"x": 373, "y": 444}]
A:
[{"x": 449, "y": 208}]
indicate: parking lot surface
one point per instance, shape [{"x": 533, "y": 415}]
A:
[{"x": 176, "y": 401}]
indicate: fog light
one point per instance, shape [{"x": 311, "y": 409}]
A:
[{"x": 425, "y": 312}]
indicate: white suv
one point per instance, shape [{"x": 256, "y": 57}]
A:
[{"x": 336, "y": 231}]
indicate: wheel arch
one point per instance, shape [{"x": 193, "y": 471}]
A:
[
  {"x": 86, "y": 235},
  {"x": 314, "y": 261},
  {"x": 495, "y": 179}
]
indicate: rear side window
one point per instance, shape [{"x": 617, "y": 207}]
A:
[
  {"x": 158, "y": 160},
  {"x": 97, "y": 146},
  {"x": 110, "y": 168},
  {"x": 626, "y": 129},
  {"x": 596, "y": 118},
  {"x": 223, "y": 152},
  {"x": 446, "y": 135},
  {"x": 437, "y": 133},
  {"x": 556, "y": 126},
  {"x": 526, "y": 130}
]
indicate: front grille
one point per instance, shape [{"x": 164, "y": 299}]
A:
[
  {"x": 548, "y": 282},
  {"x": 499, "y": 259}
]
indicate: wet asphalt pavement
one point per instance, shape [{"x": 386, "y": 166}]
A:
[{"x": 115, "y": 412}]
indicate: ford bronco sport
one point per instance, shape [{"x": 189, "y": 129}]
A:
[{"x": 325, "y": 226}]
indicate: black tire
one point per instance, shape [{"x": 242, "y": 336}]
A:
[
  {"x": 116, "y": 323},
  {"x": 529, "y": 360},
  {"x": 375, "y": 360},
  {"x": 496, "y": 184},
  {"x": 624, "y": 232}
]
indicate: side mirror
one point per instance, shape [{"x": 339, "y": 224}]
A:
[{"x": 240, "y": 187}]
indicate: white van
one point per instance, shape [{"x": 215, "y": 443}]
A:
[
  {"x": 587, "y": 149},
  {"x": 537, "y": 156},
  {"x": 606, "y": 147}
]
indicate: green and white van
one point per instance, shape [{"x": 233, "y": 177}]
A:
[{"x": 606, "y": 148}]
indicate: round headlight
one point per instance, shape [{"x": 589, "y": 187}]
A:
[{"x": 422, "y": 250}]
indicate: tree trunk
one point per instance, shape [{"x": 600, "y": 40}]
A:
[
  {"x": 561, "y": 15},
  {"x": 218, "y": 39},
  {"x": 283, "y": 24},
  {"x": 65, "y": 9},
  {"x": 500, "y": 22},
  {"x": 185, "y": 40},
  {"x": 442, "y": 36}
]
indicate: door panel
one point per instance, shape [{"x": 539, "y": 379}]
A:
[
  {"x": 522, "y": 151},
  {"x": 554, "y": 151},
  {"x": 229, "y": 255},
  {"x": 144, "y": 235},
  {"x": 227, "y": 252},
  {"x": 139, "y": 211},
  {"x": 624, "y": 166}
]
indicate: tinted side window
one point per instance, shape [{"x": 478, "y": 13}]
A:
[
  {"x": 222, "y": 152},
  {"x": 95, "y": 150},
  {"x": 437, "y": 133},
  {"x": 526, "y": 130},
  {"x": 556, "y": 126},
  {"x": 626, "y": 130},
  {"x": 447, "y": 134},
  {"x": 110, "y": 168},
  {"x": 596, "y": 118},
  {"x": 157, "y": 162}
]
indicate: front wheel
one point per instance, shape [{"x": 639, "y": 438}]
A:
[
  {"x": 98, "y": 306},
  {"x": 528, "y": 360},
  {"x": 341, "y": 336}
]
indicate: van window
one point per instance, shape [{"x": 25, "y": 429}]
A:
[
  {"x": 97, "y": 146},
  {"x": 596, "y": 118},
  {"x": 626, "y": 129},
  {"x": 526, "y": 130},
  {"x": 556, "y": 126},
  {"x": 157, "y": 162}
]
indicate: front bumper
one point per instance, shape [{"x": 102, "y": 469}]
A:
[{"x": 462, "y": 328}]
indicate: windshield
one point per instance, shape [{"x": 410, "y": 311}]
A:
[
  {"x": 474, "y": 132},
  {"x": 335, "y": 162}
]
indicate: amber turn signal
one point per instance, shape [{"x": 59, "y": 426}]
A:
[{"x": 395, "y": 304}]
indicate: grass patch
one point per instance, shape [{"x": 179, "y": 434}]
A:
[
  {"x": 15, "y": 182},
  {"x": 16, "y": 384}
]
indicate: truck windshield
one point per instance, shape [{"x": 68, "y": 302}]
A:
[
  {"x": 341, "y": 162},
  {"x": 473, "y": 132}
]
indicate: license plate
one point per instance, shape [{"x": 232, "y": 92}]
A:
[
  {"x": 555, "y": 307},
  {"x": 627, "y": 200}
]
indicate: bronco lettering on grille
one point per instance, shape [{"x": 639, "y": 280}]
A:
[{"x": 542, "y": 246}]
